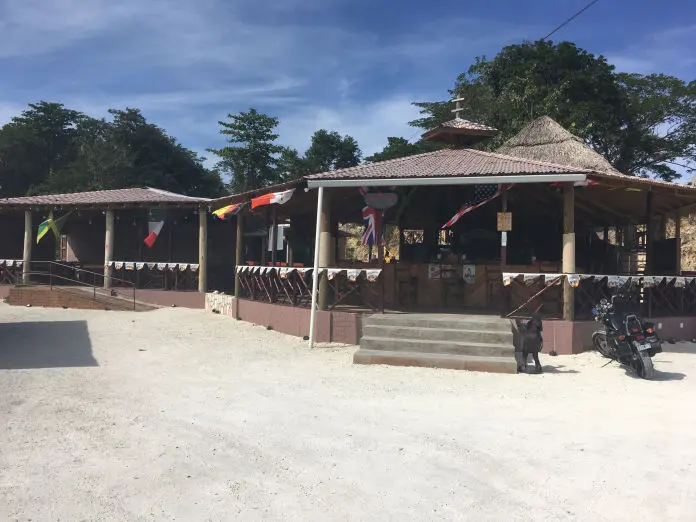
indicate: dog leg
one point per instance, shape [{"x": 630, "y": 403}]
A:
[
  {"x": 537, "y": 364},
  {"x": 525, "y": 355}
]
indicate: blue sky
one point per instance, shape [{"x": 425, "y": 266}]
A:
[{"x": 348, "y": 65}]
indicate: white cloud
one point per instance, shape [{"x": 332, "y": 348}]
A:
[
  {"x": 669, "y": 51},
  {"x": 370, "y": 124},
  {"x": 188, "y": 64}
]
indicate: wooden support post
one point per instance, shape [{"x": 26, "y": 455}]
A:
[
  {"x": 503, "y": 235},
  {"x": 678, "y": 243},
  {"x": 290, "y": 256},
  {"x": 315, "y": 270},
  {"x": 568, "y": 250},
  {"x": 274, "y": 235},
  {"x": 202, "y": 250},
  {"x": 326, "y": 251},
  {"x": 28, "y": 244},
  {"x": 238, "y": 252},
  {"x": 650, "y": 235},
  {"x": 108, "y": 248}
]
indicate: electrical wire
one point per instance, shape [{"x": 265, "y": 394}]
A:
[{"x": 570, "y": 19}]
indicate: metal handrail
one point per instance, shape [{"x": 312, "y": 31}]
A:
[
  {"x": 99, "y": 274},
  {"x": 94, "y": 287}
]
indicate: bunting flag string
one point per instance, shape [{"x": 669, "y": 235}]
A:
[
  {"x": 273, "y": 198},
  {"x": 612, "y": 281},
  {"x": 230, "y": 210}
]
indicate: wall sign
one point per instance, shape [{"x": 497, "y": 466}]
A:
[{"x": 504, "y": 221}]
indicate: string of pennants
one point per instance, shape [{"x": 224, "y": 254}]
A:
[
  {"x": 162, "y": 267},
  {"x": 352, "y": 273},
  {"x": 613, "y": 281},
  {"x": 11, "y": 262}
]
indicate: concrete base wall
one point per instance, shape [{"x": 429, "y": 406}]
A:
[
  {"x": 63, "y": 298},
  {"x": 168, "y": 298},
  {"x": 337, "y": 327},
  {"x": 566, "y": 337},
  {"x": 4, "y": 291}
]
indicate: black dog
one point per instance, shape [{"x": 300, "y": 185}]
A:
[{"x": 530, "y": 342}]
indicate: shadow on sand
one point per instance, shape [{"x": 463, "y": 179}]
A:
[
  {"x": 557, "y": 369},
  {"x": 31, "y": 345}
]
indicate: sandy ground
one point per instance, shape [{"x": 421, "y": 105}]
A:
[{"x": 179, "y": 415}]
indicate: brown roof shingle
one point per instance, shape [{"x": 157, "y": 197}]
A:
[
  {"x": 449, "y": 163},
  {"x": 132, "y": 196}
]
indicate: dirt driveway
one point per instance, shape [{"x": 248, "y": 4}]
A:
[{"x": 179, "y": 415}]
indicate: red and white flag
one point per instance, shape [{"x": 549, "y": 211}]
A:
[
  {"x": 274, "y": 198},
  {"x": 154, "y": 227}
]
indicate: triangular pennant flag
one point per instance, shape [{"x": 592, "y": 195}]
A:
[
  {"x": 277, "y": 198},
  {"x": 230, "y": 210},
  {"x": 154, "y": 227},
  {"x": 54, "y": 225}
]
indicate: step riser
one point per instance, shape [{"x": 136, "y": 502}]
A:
[
  {"x": 498, "y": 325},
  {"x": 416, "y": 345},
  {"x": 451, "y": 362},
  {"x": 437, "y": 334}
]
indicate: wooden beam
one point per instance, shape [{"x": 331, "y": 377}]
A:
[
  {"x": 274, "y": 234},
  {"x": 503, "y": 235},
  {"x": 605, "y": 208},
  {"x": 326, "y": 249},
  {"x": 568, "y": 250},
  {"x": 202, "y": 251},
  {"x": 238, "y": 253},
  {"x": 678, "y": 243},
  {"x": 650, "y": 235},
  {"x": 28, "y": 244},
  {"x": 108, "y": 247}
]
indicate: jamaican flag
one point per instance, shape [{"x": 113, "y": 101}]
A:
[{"x": 51, "y": 224}]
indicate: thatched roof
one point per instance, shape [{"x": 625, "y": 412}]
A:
[{"x": 545, "y": 140}]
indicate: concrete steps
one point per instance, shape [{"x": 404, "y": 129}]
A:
[
  {"x": 438, "y": 360},
  {"x": 463, "y": 342}
]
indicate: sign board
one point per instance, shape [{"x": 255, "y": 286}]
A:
[
  {"x": 504, "y": 221},
  {"x": 438, "y": 271},
  {"x": 469, "y": 274}
]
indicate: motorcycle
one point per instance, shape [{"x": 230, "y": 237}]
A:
[{"x": 625, "y": 338}]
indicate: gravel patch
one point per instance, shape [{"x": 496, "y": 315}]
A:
[{"x": 177, "y": 414}]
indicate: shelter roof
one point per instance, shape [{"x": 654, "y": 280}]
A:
[
  {"x": 452, "y": 163},
  {"x": 543, "y": 139},
  {"x": 119, "y": 197}
]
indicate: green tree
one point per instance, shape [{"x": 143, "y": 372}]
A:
[
  {"x": 251, "y": 158},
  {"x": 621, "y": 116},
  {"x": 36, "y": 146},
  {"x": 330, "y": 151},
  {"x": 290, "y": 165},
  {"x": 155, "y": 158},
  {"x": 49, "y": 149},
  {"x": 400, "y": 147}
]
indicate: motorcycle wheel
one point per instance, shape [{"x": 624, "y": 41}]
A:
[
  {"x": 599, "y": 341},
  {"x": 644, "y": 366}
]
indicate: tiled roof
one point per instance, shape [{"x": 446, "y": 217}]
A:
[
  {"x": 460, "y": 123},
  {"x": 449, "y": 163},
  {"x": 105, "y": 197}
]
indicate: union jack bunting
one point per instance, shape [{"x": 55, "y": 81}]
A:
[{"x": 373, "y": 223}]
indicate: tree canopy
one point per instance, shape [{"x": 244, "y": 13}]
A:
[
  {"x": 253, "y": 159},
  {"x": 642, "y": 124},
  {"x": 49, "y": 149},
  {"x": 400, "y": 147}
]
